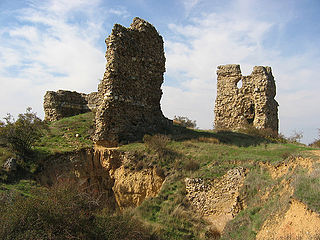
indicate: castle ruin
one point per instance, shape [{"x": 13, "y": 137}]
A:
[
  {"x": 131, "y": 87},
  {"x": 61, "y": 104},
  {"x": 127, "y": 103},
  {"x": 252, "y": 103}
]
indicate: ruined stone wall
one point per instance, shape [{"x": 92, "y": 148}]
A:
[
  {"x": 252, "y": 103},
  {"x": 62, "y": 104},
  {"x": 217, "y": 199},
  {"x": 131, "y": 88}
]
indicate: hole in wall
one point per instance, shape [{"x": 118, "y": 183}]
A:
[
  {"x": 251, "y": 114},
  {"x": 239, "y": 84}
]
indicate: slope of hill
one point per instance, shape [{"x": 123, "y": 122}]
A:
[{"x": 188, "y": 184}]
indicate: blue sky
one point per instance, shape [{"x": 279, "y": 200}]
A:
[{"x": 59, "y": 44}]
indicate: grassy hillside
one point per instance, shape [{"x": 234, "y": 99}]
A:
[
  {"x": 180, "y": 154},
  {"x": 68, "y": 134},
  {"x": 208, "y": 155}
]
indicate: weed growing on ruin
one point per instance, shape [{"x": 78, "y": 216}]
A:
[{"x": 266, "y": 133}]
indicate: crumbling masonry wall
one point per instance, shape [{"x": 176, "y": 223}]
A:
[
  {"x": 130, "y": 90},
  {"x": 253, "y": 103},
  {"x": 61, "y": 104}
]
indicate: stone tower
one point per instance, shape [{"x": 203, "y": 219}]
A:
[
  {"x": 130, "y": 91},
  {"x": 253, "y": 103}
]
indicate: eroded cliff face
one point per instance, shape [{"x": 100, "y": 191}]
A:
[
  {"x": 131, "y": 188},
  {"x": 217, "y": 200},
  {"x": 101, "y": 172}
]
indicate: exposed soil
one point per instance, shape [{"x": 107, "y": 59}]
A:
[{"x": 298, "y": 222}]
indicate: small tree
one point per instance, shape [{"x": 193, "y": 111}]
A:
[
  {"x": 185, "y": 122},
  {"x": 316, "y": 142},
  {"x": 296, "y": 137},
  {"x": 20, "y": 135}
]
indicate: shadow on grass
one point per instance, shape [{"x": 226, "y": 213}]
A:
[{"x": 179, "y": 133}]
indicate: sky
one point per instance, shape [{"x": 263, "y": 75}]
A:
[{"x": 59, "y": 44}]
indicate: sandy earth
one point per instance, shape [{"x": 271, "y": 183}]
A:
[{"x": 298, "y": 222}]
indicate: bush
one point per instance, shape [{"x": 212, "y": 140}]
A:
[
  {"x": 296, "y": 137},
  {"x": 64, "y": 212},
  {"x": 184, "y": 122},
  {"x": 191, "y": 165},
  {"x": 20, "y": 135},
  {"x": 316, "y": 142},
  {"x": 157, "y": 143},
  {"x": 267, "y": 133}
]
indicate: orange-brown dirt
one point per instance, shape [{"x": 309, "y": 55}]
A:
[{"x": 298, "y": 222}]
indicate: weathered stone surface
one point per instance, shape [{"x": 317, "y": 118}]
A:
[
  {"x": 63, "y": 103},
  {"x": 218, "y": 199},
  {"x": 130, "y": 91},
  {"x": 253, "y": 103}
]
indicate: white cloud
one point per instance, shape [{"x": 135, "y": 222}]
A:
[
  {"x": 189, "y": 5},
  {"x": 120, "y": 11},
  {"x": 196, "y": 50},
  {"x": 52, "y": 49}
]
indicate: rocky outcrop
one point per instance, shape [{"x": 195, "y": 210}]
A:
[
  {"x": 252, "y": 103},
  {"x": 217, "y": 200},
  {"x": 61, "y": 104},
  {"x": 130, "y": 91},
  {"x": 100, "y": 171}
]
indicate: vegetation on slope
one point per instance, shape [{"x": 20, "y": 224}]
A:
[
  {"x": 68, "y": 134},
  {"x": 183, "y": 153}
]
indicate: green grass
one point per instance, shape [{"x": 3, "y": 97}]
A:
[
  {"x": 307, "y": 188},
  {"x": 189, "y": 153},
  {"x": 170, "y": 209},
  {"x": 23, "y": 187},
  {"x": 249, "y": 221},
  {"x": 61, "y": 136}
]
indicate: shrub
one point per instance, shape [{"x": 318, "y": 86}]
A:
[
  {"x": 316, "y": 142},
  {"x": 157, "y": 143},
  {"x": 296, "y": 137},
  {"x": 64, "y": 212},
  {"x": 191, "y": 165},
  {"x": 20, "y": 135},
  {"x": 184, "y": 122},
  {"x": 267, "y": 133}
]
